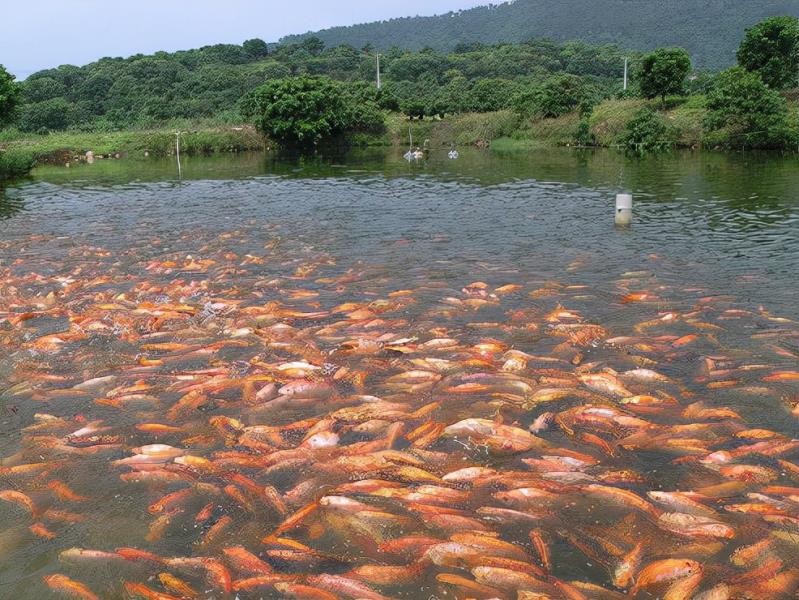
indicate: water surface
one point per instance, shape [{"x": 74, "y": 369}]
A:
[{"x": 120, "y": 271}]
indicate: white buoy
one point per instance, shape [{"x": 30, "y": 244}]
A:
[{"x": 624, "y": 209}]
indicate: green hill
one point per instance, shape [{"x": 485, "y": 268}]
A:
[{"x": 709, "y": 29}]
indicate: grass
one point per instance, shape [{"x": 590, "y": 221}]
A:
[
  {"x": 61, "y": 147},
  {"x": 503, "y": 131},
  {"x": 467, "y": 129}
]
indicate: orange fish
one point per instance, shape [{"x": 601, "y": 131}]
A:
[
  {"x": 245, "y": 561},
  {"x": 19, "y": 499},
  {"x": 137, "y": 590},
  {"x": 177, "y": 585},
  {"x": 665, "y": 570},
  {"x": 69, "y": 587},
  {"x": 42, "y": 531},
  {"x": 782, "y": 376}
]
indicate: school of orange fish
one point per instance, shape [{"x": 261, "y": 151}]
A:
[{"x": 270, "y": 425}]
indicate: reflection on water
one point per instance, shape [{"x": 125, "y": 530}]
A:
[
  {"x": 354, "y": 377},
  {"x": 8, "y": 206},
  {"x": 702, "y": 210}
]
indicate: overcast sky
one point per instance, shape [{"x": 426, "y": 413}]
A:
[{"x": 38, "y": 34}]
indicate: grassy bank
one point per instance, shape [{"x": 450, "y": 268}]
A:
[
  {"x": 66, "y": 147},
  {"x": 505, "y": 130},
  {"x": 501, "y": 131},
  {"x": 470, "y": 129}
]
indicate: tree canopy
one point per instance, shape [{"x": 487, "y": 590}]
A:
[
  {"x": 305, "y": 111},
  {"x": 663, "y": 72},
  {"x": 9, "y": 95},
  {"x": 146, "y": 90},
  {"x": 771, "y": 48}
]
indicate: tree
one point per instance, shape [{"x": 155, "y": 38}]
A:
[
  {"x": 414, "y": 65},
  {"x": 771, "y": 48},
  {"x": 255, "y": 48},
  {"x": 43, "y": 88},
  {"x": 10, "y": 95},
  {"x": 46, "y": 116},
  {"x": 305, "y": 111},
  {"x": 489, "y": 95},
  {"x": 663, "y": 72},
  {"x": 313, "y": 45},
  {"x": 560, "y": 95},
  {"x": 744, "y": 112},
  {"x": 414, "y": 107},
  {"x": 451, "y": 98}
]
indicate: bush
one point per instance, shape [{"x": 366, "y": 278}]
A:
[
  {"x": 525, "y": 101},
  {"x": 584, "y": 137},
  {"x": 744, "y": 112},
  {"x": 557, "y": 96},
  {"x": 15, "y": 162},
  {"x": 646, "y": 132},
  {"x": 305, "y": 111}
]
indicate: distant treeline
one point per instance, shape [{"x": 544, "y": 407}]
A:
[{"x": 115, "y": 93}]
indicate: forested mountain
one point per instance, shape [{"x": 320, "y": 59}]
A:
[{"x": 709, "y": 29}]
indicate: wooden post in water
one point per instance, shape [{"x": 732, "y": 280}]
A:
[{"x": 177, "y": 153}]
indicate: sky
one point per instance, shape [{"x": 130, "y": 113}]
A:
[{"x": 39, "y": 34}]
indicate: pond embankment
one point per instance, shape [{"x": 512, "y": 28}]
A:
[
  {"x": 501, "y": 130},
  {"x": 66, "y": 148}
]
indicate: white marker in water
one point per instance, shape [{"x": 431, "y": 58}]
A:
[{"x": 624, "y": 209}]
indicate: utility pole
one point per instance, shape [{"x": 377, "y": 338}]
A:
[
  {"x": 378, "y": 71},
  {"x": 626, "y": 61}
]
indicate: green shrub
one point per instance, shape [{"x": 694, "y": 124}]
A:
[
  {"x": 646, "y": 132},
  {"x": 555, "y": 97},
  {"x": 305, "y": 111},
  {"x": 743, "y": 112},
  {"x": 15, "y": 162},
  {"x": 584, "y": 137}
]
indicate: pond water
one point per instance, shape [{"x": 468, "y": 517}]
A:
[{"x": 265, "y": 379}]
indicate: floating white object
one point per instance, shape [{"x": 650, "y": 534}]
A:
[{"x": 624, "y": 209}]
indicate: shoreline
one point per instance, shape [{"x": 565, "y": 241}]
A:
[{"x": 502, "y": 131}]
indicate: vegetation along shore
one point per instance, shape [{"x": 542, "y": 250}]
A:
[{"x": 510, "y": 96}]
